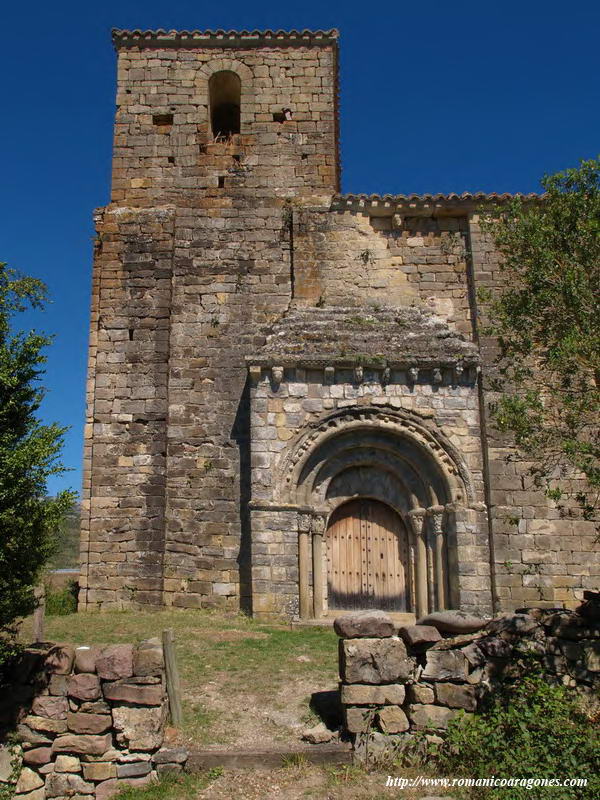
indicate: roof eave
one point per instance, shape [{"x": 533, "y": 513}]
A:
[
  {"x": 163, "y": 39},
  {"x": 385, "y": 205}
]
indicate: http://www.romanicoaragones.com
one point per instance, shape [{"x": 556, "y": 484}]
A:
[{"x": 493, "y": 782}]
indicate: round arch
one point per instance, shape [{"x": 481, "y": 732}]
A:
[
  {"x": 387, "y": 457},
  {"x": 419, "y": 455}
]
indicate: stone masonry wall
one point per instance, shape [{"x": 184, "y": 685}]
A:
[
  {"x": 545, "y": 552},
  {"x": 350, "y": 255},
  {"x": 371, "y": 251},
  {"x": 88, "y": 721},
  {"x": 282, "y": 413},
  {"x": 401, "y": 681}
]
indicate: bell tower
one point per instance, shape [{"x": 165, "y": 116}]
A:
[{"x": 219, "y": 136}]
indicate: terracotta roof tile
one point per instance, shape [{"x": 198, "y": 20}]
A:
[
  {"x": 221, "y": 38},
  {"x": 466, "y": 198}
]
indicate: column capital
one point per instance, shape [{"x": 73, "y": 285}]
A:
[
  {"x": 304, "y": 523},
  {"x": 318, "y": 524}
]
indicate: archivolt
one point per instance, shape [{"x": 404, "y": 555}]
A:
[
  {"x": 391, "y": 455},
  {"x": 226, "y": 64}
]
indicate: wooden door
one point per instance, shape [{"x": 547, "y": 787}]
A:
[{"x": 367, "y": 557}]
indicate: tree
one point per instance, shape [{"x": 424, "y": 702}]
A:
[
  {"x": 29, "y": 455},
  {"x": 547, "y": 322}
]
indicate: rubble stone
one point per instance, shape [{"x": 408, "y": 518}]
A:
[
  {"x": 453, "y": 621},
  {"x": 31, "y": 738},
  {"x": 6, "y": 763},
  {"x": 125, "y": 691},
  {"x": 85, "y": 658},
  {"x": 99, "y": 771},
  {"x": 28, "y": 781},
  {"x": 136, "y": 769},
  {"x": 44, "y": 724},
  {"x": 59, "y": 659},
  {"x": 455, "y": 696},
  {"x": 358, "y": 720},
  {"x": 419, "y": 636},
  {"x": 115, "y": 661},
  {"x": 94, "y": 707},
  {"x": 50, "y": 706},
  {"x": 84, "y": 686},
  {"x": 58, "y": 685},
  {"x": 108, "y": 789},
  {"x": 444, "y": 665},
  {"x": 67, "y": 764},
  {"x": 374, "y": 661},
  {"x": 89, "y": 723},
  {"x": 319, "y": 734},
  {"x": 392, "y": 719},
  {"x": 37, "y": 755},
  {"x": 139, "y": 728},
  {"x": 148, "y": 658},
  {"x": 426, "y": 716},
  {"x": 418, "y": 693},
  {"x": 82, "y": 744},
  {"x": 364, "y": 624},
  {"x": 166, "y": 755},
  {"x": 67, "y": 784},
  {"x": 357, "y": 694}
]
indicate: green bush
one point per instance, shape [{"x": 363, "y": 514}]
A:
[
  {"x": 527, "y": 729},
  {"x": 60, "y": 602},
  {"x": 29, "y": 456}
]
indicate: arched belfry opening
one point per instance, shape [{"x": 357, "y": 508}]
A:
[{"x": 224, "y": 88}]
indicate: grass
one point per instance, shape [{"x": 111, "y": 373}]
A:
[
  {"x": 66, "y": 554},
  {"x": 295, "y": 761},
  {"x": 61, "y": 601},
  {"x": 170, "y": 787},
  {"x": 229, "y": 663},
  {"x": 297, "y": 779}
]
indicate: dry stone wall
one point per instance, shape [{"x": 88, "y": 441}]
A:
[
  {"x": 88, "y": 720},
  {"x": 418, "y": 677}
]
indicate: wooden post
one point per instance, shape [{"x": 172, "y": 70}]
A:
[
  {"x": 39, "y": 614},
  {"x": 172, "y": 675}
]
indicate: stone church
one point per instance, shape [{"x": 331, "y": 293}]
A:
[{"x": 286, "y": 399}]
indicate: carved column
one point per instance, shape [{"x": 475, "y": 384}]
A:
[
  {"x": 417, "y": 517},
  {"x": 318, "y": 530},
  {"x": 304, "y": 521},
  {"x": 428, "y": 536},
  {"x": 437, "y": 533}
]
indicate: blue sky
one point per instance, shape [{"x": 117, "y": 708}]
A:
[{"x": 437, "y": 96}]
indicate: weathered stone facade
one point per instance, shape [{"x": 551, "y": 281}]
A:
[{"x": 264, "y": 349}]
